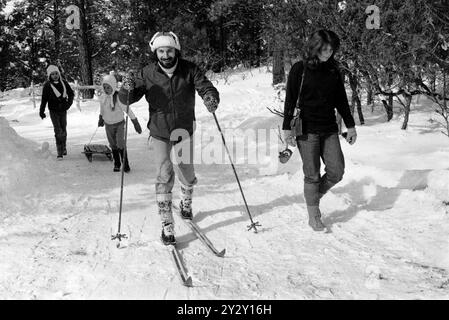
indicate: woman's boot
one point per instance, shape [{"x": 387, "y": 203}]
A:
[
  {"x": 59, "y": 149},
  {"x": 116, "y": 156},
  {"x": 125, "y": 160},
  {"x": 315, "y": 218}
]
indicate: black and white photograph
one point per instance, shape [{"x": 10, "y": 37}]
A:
[{"x": 226, "y": 151}]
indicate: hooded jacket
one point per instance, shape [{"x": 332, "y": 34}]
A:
[
  {"x": 49, "y": 96},
  {"x": 171, "y": 100},
  {"x": 111, "y": 109},
  {"x": 323, "y": 91}
]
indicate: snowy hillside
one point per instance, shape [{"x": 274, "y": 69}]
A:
[{"x": 388, "y": 219}]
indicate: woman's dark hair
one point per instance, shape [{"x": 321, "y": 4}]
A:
[{"x": 316, "y": 42}]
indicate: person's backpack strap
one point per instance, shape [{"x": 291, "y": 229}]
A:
[{"x": 300, "y": 87}]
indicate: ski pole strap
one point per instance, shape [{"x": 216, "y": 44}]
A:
[{"x": 298, "y": 101}]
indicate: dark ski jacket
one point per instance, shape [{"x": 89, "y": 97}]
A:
[
  {"x": 171, "y": 100},
  {"x": 323, "y": 91},
  {"x": 54, "y": 103}
]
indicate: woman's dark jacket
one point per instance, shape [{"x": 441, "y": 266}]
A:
[
  {"x": 171, "y": 100},
  {"x": 323, "y": 91}
]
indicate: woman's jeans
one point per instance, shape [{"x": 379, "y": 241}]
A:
[
  {"x": 313, "y": 148},
  {"x": 59, "y": 120}
]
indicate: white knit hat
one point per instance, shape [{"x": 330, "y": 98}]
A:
[
  {"x": 164, "y": 39},
  {"x": 110, "y": 80},
  {"x": 52, "y": 68}
]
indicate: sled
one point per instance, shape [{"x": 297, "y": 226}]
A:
[{"x": 91, "y": 149}]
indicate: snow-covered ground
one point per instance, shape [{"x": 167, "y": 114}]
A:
[{"x": 388, "y": 219}]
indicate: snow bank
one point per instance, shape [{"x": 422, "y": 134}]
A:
[
  {"x": 21, "y": 161},
  {"x": 438, "y": 184},
  {"x": 16, "y": 93}
]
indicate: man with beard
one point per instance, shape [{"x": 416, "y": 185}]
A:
[{"x": 169, "y": 83}]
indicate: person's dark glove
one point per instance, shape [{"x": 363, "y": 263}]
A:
[
  {"x": 211, "y": 103},
  {"x": 42, "y": 115},
  {"x": 100, "y": 121},
  {"x": 137, "y": 126}
]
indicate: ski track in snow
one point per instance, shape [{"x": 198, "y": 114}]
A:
[{"x": 387, "y": 235}]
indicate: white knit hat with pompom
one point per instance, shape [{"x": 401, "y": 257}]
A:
[{"x": 164, "y": 39}]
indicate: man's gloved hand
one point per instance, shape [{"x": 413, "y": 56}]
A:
[
  {"x": 128, "y": 81},
  {"x": 100, "y": 121},
  {"x": 42, "y": 115},
  {"x": 137, "y": 126},
  {"x": 211, "y": 103},
  {"x": 351, "y": 136},
  {"x": 289, "y": 138}
]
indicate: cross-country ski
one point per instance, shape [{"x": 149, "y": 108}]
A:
[
  {"x": 186, "y": 280},
  {"x": 200, "y": 234}
]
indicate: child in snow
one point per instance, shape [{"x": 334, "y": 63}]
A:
[
  {"x": 59, "y": 96},
  {"x": 111, "y": 116}
]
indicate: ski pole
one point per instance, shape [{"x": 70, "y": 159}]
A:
[
  {"x": 253, "y": 224},
  {"x": 119, "y": 236}
]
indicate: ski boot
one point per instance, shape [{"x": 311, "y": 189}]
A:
[
  {"x": 164, "y": 203},
  {"x": 185, "y": 205},
  {"x": 168, "y": 235}
]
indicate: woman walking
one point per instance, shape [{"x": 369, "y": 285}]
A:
[
  {"x": 58, "y": 94},
  {"x": 317, "y": 88}
]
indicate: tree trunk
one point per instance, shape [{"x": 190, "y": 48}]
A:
[
  {"x": 433, "y": 80},
  {"x": 388, "y": 105},
  {"x": 222, "y": 46},
  {"x": 56, "y": 28},
  {"x": 359, "y": 111},
  {"x": 388, "y": 109},
  {"x": 445, "y": 106},
  {"x": 369, "y": 95},
  {"x": 278, "y": 67},
  {"x": 408, "y": 101},
  {"x": 390, "y": 98},
  {"x": 354, "y": 83},
  {"x": 84, "y": 49}
]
